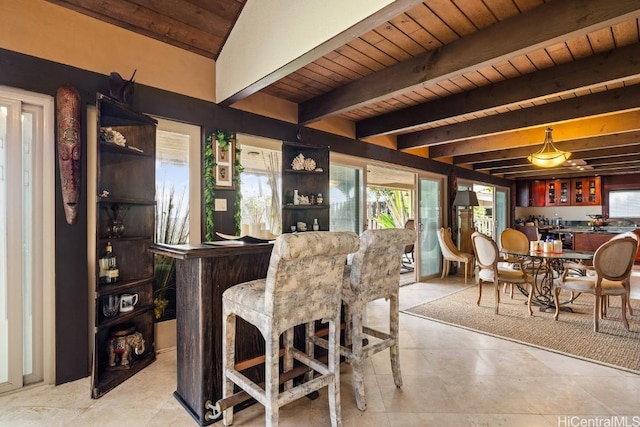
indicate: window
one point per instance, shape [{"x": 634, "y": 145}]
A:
[
  {"x": 345, "y": 198},
  {"x": 261, "y": 184},
  {"x": 624, "y": 204},
  {"x": 177, "y": 190}
]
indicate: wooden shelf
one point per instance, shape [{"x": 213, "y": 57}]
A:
[
  {"x": 128, "y": 175},
  {"x": 307, "y": 183}
]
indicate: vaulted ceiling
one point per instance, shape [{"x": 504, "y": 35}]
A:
[{"x": 476, "y": 82}]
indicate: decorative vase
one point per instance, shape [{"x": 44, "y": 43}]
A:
[{"x": 115, "y": 228}]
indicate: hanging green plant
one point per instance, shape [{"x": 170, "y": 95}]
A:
[
  {"x": 224, "y": 140},
  {"x": 209, "y": 163},
  {"x": 237, "y": 212}
]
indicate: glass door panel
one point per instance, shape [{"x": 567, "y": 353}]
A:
[
  {"x": 501, "y": 210},
  {"x": 21, "y": 288},
  {"x": 429, "y": 220}
]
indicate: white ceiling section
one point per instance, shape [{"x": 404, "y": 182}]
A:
[{"x": 273, "y": 34}]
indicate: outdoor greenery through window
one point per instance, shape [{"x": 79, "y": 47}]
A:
[
  {"x": 172, "y": 213},
  {"x": 388, "y": 207}
]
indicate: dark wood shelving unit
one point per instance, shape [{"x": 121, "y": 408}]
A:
[
  {"x": 307, "y": 183},
  {"x": 126, "y": 184}
]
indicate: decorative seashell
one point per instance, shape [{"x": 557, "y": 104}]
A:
[
  {"x": 113, "y": 136},
  {"x": 298, "y": 163},
  {"x": 309, "y": 164}
]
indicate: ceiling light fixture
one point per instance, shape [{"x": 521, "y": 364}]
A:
[{"x": 548, "y": 156}]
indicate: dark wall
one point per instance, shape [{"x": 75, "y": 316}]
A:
[{"x": 41, "y": 76}]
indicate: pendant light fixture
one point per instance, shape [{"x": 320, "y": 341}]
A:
[{"x": 548, "y": 156}]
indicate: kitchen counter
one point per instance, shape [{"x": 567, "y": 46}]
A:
[
  {"x": 603, "y": 230},
  {"x": 586, "y": 240}
]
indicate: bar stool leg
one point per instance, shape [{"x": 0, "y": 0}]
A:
[{"x": 228, "y": 361}]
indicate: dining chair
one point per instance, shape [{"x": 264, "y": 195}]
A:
[
  {"x": 609, "y": 276},
  {"x": 513, "y": 240},
  {"x": 408, "y": 258},
  {"x": 303, "y": 284},
  {"x": 374, "y": 274},
  {"x": 488, "y": 269},
  {"x": 450, "y": 253}
]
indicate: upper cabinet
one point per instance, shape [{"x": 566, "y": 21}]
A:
[
  {"x": 124, "y": 230},
  {"x": 558, "y": 192},
  {"x": 586, "y": 191},
  {"x": 305, "y": 187},
  {"x": 530, "y": 193}
]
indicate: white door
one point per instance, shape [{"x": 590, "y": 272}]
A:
[{"x": 26, "y": 236}]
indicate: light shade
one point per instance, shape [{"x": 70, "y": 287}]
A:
[
  {"x": 548, "y": 156},
  {"x": 466, "y": 198}
]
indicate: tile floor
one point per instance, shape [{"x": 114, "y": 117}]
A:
[{"x": 452, "y": 377}]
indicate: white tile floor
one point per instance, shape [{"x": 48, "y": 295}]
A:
[{"x": 452, "y": 377}]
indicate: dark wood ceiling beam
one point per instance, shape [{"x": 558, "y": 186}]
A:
[
  {"x": 383, "y": 15},
  {"x": 593, "y": 160},
  {"x": 438, "y": 139},
  {"x": 138, "y": 18},
  {"x": 555, "y": 173},
  {"x": 555, "y": 22},
  {"x": 586, "y": 73},
  {"x": 483, "y": 148},
  {"x": 581, "y": 149}
]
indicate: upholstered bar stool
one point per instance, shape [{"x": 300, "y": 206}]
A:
[
  {"x": 302, "y": 285},
  {"x": 374, "y": 273}
]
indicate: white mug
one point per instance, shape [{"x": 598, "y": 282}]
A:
[{"x": 127, "y": 302}]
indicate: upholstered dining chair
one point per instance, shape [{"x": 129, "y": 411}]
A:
[
  {"x": 450, "y": 253},
  {"x": 513, "y": 240},
  {"x": 374, "y": 273},
  {"x": 612, "y": 264},
  {"x": 303, "y": 284},
  {"x": 488, "y": 269}
]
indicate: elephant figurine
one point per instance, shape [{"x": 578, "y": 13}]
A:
[{"x": 122, "y": 345}]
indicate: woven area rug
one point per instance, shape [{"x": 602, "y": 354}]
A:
[{"x": 571, "y": 335}]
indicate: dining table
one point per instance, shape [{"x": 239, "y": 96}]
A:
[{"x": 545, "y": 267}]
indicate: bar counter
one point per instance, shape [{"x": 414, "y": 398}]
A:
[{"x": 203, "y": 273}]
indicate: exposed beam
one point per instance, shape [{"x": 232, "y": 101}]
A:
[
  {"x": 505, "y": 165},
  {"x": 595, "y": 159},
  {"x": 554, "y": 173},
  {"x": 625, "y": 98},
  {"x": 560, "y": 80},
  {"x": 583, "y": 148},
  {"x": 556, "y": 22},
  {"x": 485, "y": 148}
]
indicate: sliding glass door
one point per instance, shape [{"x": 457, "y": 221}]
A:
[
  {"x": 429, "y": 220},
  {"x": 26, "y": 236}
]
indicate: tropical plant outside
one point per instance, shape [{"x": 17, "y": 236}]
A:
[
  {"x": 172, "y": 227},
  {"x": 392, "y": 207}
]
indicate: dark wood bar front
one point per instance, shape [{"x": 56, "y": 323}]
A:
[{"x": 204, "y": 272}]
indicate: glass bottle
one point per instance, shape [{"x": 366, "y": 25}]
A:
[
  {"x": 109, "y": 265},
  {"x": 316, "y": 226}
]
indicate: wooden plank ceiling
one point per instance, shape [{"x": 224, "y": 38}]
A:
[{"x": 475, "y": 81}]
